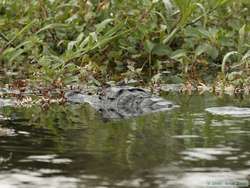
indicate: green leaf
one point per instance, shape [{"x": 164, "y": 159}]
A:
[
  {"x": 242, "y": 34},
  {"x": 202, "y": 7},
  {"x": 52, "y": 26},
  {"x": 211, "y": 51},
  {"x": 101, "y": 26},
  {"x": 16, "y": 54},
  {"x": 149, "y": 46},
  {"x": 161, "y": 50},
  {"x": 21, "y": 32},
  {"x": 225, "y": 59},
  {"x": 186, "y": 8},
  {"x": 246, "y": 56},
  {"x": 178, "y": 54}
]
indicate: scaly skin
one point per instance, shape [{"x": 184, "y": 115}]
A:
[{"x": 122, "y": 102}]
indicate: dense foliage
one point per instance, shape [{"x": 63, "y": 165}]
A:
[{"x": 95, "y": 41}]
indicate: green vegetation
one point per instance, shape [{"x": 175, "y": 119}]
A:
[{"x": 97, "y": 41}]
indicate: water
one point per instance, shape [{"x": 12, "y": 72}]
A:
[{"x": 71, "y": 146}]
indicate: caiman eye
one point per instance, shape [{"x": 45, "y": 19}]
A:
[
  {"x": 136, "y": 89},
  {"x": 111, "y": 98}
]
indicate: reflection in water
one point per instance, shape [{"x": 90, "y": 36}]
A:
[
  {"x": 71, "y": 146},
  {"x": 30, "y": 179},
  {"x": 229, "y": 111},
  {"x": 211, "y": 179},
  {"x": 206, "y": 153}
]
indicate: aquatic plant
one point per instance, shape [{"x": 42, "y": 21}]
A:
[{"x": 97, "y": 41}]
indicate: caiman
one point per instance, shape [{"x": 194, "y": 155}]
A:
[{"x": 121, "y": 102}]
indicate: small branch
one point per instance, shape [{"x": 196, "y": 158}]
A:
[
  {"x": 200, "y": 17},
  {"x": 176, "y": 29}
]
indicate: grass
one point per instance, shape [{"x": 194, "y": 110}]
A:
[{"x": 94, "y": 42}]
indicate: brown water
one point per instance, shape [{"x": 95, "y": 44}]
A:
[{"x": 71, "y": 146}]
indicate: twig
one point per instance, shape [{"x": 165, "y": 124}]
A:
[
  {"x": 176, "y": 29},
  {"x": 199, "y": 18}
]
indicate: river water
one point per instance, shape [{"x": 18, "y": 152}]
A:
[{"x": 71, "y": 146}]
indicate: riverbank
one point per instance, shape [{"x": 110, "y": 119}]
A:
[{"x": 93, "y": 43}]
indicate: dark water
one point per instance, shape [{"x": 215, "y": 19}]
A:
[{"x": 73, "y": 147}]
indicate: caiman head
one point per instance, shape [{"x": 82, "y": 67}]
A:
[{"x": 122, "y": 102}]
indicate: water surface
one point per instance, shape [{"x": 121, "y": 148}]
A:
[{"x": 72, "y": 146}]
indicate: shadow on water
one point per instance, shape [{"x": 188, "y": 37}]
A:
[{"x": 71, "y": 146}]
